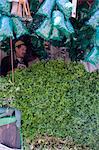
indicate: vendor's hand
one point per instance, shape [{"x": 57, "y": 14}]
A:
[{"x": 21, "y": 66}]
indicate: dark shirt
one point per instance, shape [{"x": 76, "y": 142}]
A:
[{"x": 6, "y": 64}]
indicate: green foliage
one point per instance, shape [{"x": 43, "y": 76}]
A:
[{"x": 57, "y": 99}]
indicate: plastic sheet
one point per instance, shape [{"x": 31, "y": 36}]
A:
[
  {"x": 59, "y": 22},
  {"x": 46, "y": 8},
  {"x": 3, "y": 147},
  {"x": 90, "y": 67},
  {"x": 6, "y": 29},
  {"x": 10, "y": 129},
  {"x": 65, "y": 6},
  {"x": 19, "y": 27},
  {"x": 45, "y": 29}
]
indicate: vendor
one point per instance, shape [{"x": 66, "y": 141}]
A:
[{"x": 19, "y": 60}]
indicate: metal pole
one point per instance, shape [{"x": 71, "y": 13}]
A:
[
  {"x": 74, "y": 13},
  {"x": 12, "y": 60}
]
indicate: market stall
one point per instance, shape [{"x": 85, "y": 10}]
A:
[{"x": 57, "y": 95}]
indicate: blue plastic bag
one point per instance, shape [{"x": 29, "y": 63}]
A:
[
  {"x": 60, "y": 23},
  {"x": 5, "y": 6},
  {"x": 19, "y": 28},
  {"x": 46, "y": 8},
  {"x": 97, "y": 37},
  {"x": 55, "y": 34},
  {"x": 45, "y": 29},
  {"x": 69, "y": 26},
  {"x": 93, "y": 56},
  {"x": 94, "y": 20},
  {"x": 65, "y": 6},
  {"x": 6, "y": 28}
]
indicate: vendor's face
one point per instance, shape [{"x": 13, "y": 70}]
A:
[{"x": 21, "y": 51}]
